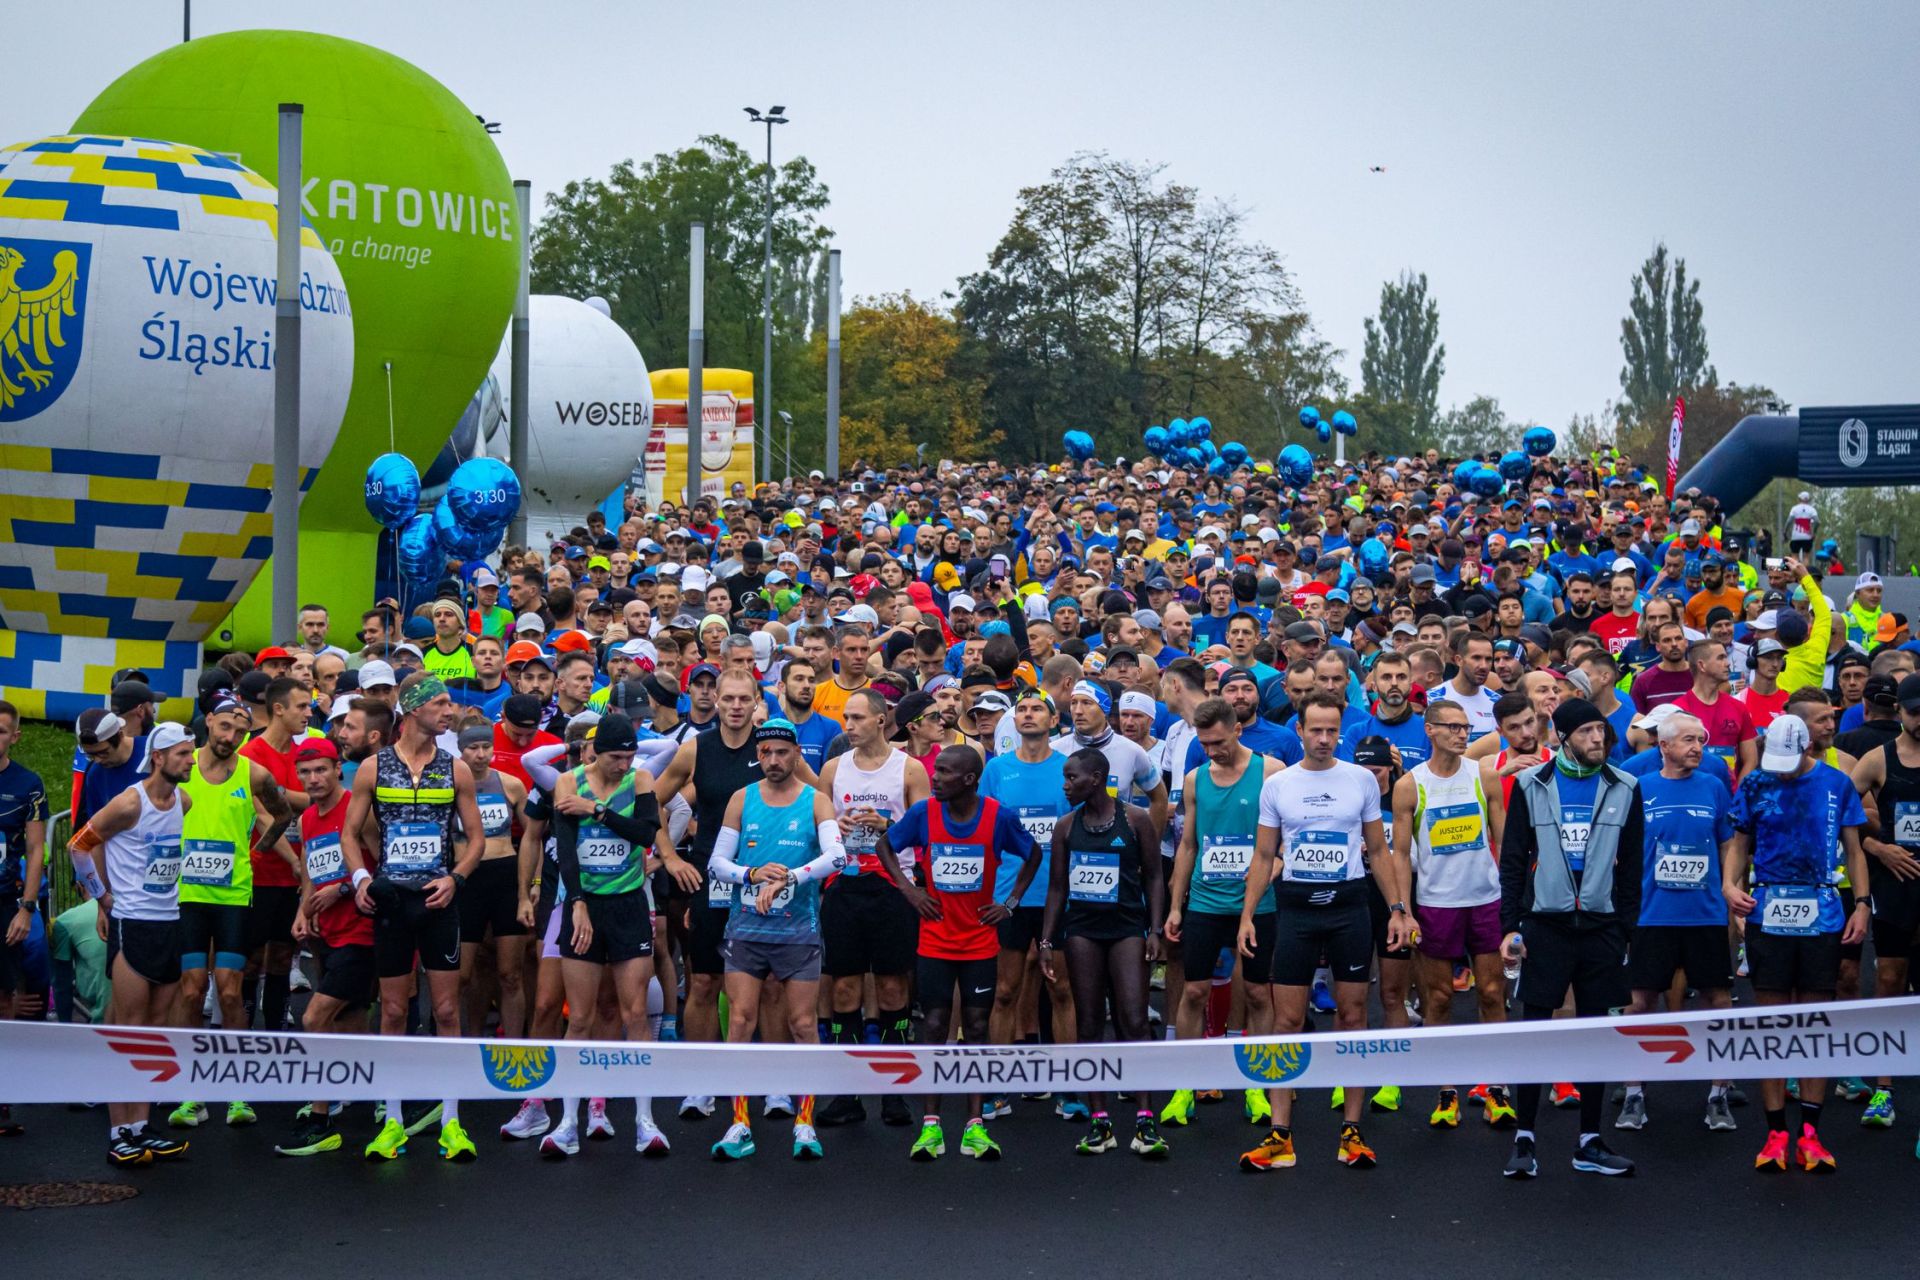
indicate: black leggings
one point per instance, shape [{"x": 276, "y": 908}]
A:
[
  {"x": 1527, "y": 1096},
  {"x": 1103, "y": 969}
]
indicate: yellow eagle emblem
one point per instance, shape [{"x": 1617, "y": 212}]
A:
[{"x": 30, "y": 322}]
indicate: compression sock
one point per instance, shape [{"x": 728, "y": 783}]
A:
[
  {"x": 740, "y": 1113},
  {"x": 846, "y": 1028},
  {"x": 805, "y": 1114},
  {"x": 1810, "y": 1114},
  {"x": 895, "y": 1027},
  {"x": 669, "y": 1026},
  {"x": 1717, "y": 1091},
  {"x": 396, "y": 1110},
  {"x": 570, "y": 1111},
  {"x": 643, "y": 1110},
  {"x": 449, "y": 1111},
  {"x": 1585, "y": 1138},
  {"x": 1777, "y": 1119},
  {"x": 273, "y": 1000},
  {"x": 1635, "y": 1091}
]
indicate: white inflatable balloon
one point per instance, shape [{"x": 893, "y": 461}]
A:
[
  {"x": 137, "y": 286},
  {"x": 589, "y": 410}
]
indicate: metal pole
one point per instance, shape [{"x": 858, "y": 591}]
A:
[
  {"x": 1339, "y": 449},
  {"x": 521, "y": 359},
  {"x": 286, "y": 379},
  {"x": 186, "y": 21},
  {"x": 763, "y": 403},
  {"x": 696, "y": 356},
  {"x": 833, "y": 365}
]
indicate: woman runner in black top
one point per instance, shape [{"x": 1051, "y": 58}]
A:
[{"x": 1105, "y": 874}]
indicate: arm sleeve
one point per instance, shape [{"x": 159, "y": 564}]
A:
[
  {"x": 679, "y": 818},
  {"x": 85, "y": 874},
  {"x": 721, "y": 865},
  {"x": 639, "y": 827},
  {"x": 566, "y": 844},
  {"x": 1016, "y": 616},
  {"x": 1516, "y": 861},
  {"x": 539, "y": 767},
  {"x": 833, "y": 855},
  {"x": 654, "y": 754}
]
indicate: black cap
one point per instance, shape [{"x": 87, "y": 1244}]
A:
[
  {"x": 911, "y": 708},
  {"x": 661, "y": 692},
  {"x": 252, "y": 687},
  {"x": 1909, "y": 692},
  {"x": 522, "y": 710},
  {"x": 1882, "y": 691},
  {"x": 1373, "y": 750},
  {"x": 752, "y": 553},
  {"x": 630, "y": 696},
  {"x": 1303, "y": 632},
  {"x": 129, "y": 694},
  {"x": 1848, "y": 659},
  {"x": 615, "y": 733}
]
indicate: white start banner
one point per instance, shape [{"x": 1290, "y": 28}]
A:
[{"x": 53, "y": 1062}]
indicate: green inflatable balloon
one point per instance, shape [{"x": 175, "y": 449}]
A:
[{"x": 415, "y": 203}]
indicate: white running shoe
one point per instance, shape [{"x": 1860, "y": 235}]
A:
[
  {"x": 779, "y": 1104},
  {"x": 599, "y": 1128},
  {"x": 562, "y": 1142},
  {"x": 648, "y": 1140},
  {"x": 530, "y": 1121},
  {"x": 700, "y": 1105}
]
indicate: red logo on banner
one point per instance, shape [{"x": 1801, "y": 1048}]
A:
[
  {"x": 151, "y": 1053},
  {"x": 889, "y": 1062},
  {"x": 1665, "y": 1039}
]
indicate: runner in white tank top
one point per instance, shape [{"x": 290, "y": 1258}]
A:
[
  {"x": 1453, "y": 864},
  {"x": 143, "y": 862}
]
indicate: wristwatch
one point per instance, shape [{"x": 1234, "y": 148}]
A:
[
  {"x": 1398, "y": 908},
  {"x": 30, "y": 905},
  {"x": 459, "y": 881}
]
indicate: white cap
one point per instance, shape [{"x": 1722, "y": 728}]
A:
[
  {"x": 1656, "y": 717},
  {"x": 1805, "y": 496},
  {"x": 408, "y": 647},
  {"x": 1767, "y": 621},
  {"x": 762, "y": 648},
  {"x": 163, "y": 736},
  {"x": 1269, "y": 535},
  {"x": 375, "y": 674},
  {"x": 859, "y": 613},
  {"x": 1212, "y": 531},
  {"x": 777, "y": 577},
  {"x": 1866, "y": 580},
  {"x": 1134, "y": 700},
  {"x": 1786, "y": 744},
  {"x": 828, "y": 504},
  {"x": 529, "y": 622},
  {"x": 668, "y": 569},
  {"x": 695, "y": 578},
  {"x": 961, "y": 600},
  {"x": 1622, "y": 563},
  {"x": 485, "y": 577},
  {"x": 638, "y": 647},
  {"x": 342, "y": 703},
  {"x": 1689, "y": 526}
]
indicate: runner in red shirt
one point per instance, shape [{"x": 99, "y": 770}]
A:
[
  {"x": 1730, "y": 732},
  {"x": 1764, "y": 697},
  {"x": 1617, "y": 627},
  {"x": 331, "y": 920},
  {"x": 276, "y": 868},
  {"x": 963, "y": 838}
]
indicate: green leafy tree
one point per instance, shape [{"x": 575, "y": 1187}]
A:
[
  {"x": 1403, "y": 358},
  {"x": 1478, "y": 427},
  {"x": 1664, "y": 340}
]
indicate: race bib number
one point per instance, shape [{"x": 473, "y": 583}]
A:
[
  {"x": 1225, "y": 858},
  {"x": 1906, "y": 823},
  {"x": 1456, "y": 828},
  {"x": 861, "y": 840},
  {"x": 1791, "y": 910},
  {"x": 1680, "y": 868},
  {"x": 325, "y": 863},
  {"x": 750, "y": 898},
  {"x": 720, "y": 894},
  {"x": 1576, "y": 829},
  {"x": 600, "y": 850},
  {"x": 1317, "y": 855},
  {"x": 1039, "y": 822},
  {"x": 208, "y": 863},
  {"x": 957, "y": 868},
  {"x": 411, "y": 848},
  {"x": 163, "y": 868},
  {"x": 495, "y": 814},
  {"x": 1094, "y": 877}
]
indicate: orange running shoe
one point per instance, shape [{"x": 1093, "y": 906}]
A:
[
  {"x": 1274, "y": 1152},
  {"x": 1478, "y": 1094},
  {"x": 1773, "y": 1155},
  {"x": 1814, "y": 1156},
  {"x": 1354, "y": 1151},
  {"x": 1565, "y": 1096}
]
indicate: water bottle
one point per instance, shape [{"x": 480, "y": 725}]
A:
[{"x": 1510, "y": 962}]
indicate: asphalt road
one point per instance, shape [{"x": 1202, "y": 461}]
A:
[{"x": 1436, "y": 1202}]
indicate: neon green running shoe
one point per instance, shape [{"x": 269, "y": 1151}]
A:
[
  {"x": 1179, "y": 1108},
  {"x": 188, "y": 1115},
  {"x": 978, "y": 1143},
  {"x": 1879, "y": 1112},
  {"x": 930, "y": 1145},
  {"x": 1259, "y": 1110},
  {"x": 1339, "y": 1098},
  {"x": 455, "y": 1145},
  {"x": 1386, "y": 1098},
  {"x": 390, "y": 1143},
  {"x": 240, "y": 1114}
]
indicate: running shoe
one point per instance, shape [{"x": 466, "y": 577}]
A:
[
  {"x": 1257, "y": 1108},
  {"x": 1274, "y": 1152},
  {"x": 530, "y": 1121},
  {"x": 1338, "y": 1099},
  {"x": 996, "y": 1108},
  {"x": 1852, "y": 1088},
  {"x": 127, "y": 1152},
  {"x": 239, "y": 1115},
  {"x": 1814, "y": 1156},
  {"x": 162, "y": 1147},
  {"x": 9, "y": 1127},
  {"x": 1595, "y": 1157},
  {"x": 1773, "y": 1153},
  {"x": 188, "y": 1115},
  {"x": 1462, "y": 978},
  {"x": 1720, "y": 1114},
  {"x": 806, "y": 1143},
  {"x": 455, "y": 1145},
  {"x": 1565, "y": 1096},
  {"x": 648, "y": 1140},
  {"x": 697, "y": 1107},
  {"x": 894, "y": 1111},
  {"x": 1879, "y": 1112},
  {"x": 1179, "y": 1108},
  {"x": 842, "y": 1109},
  {"x": 1385, "y": 1098},
  {"x": 311, "y": 1139},
  {"x": 1099, "y": 1138},
  {"x": 930, "y": 1145},
  {"x": 978, "y": 1143},
  {"x": 1322, "y": 996},
  {"x": 1354, "y": 1151},
  {"x": 390, "y": 1143},
  {"x": 420, "y": 1118},
  {"x": 1736, "y": 1095},
  {"x": 1157, "y": 978},
  {"x": 1500, "y": 1113},
  {"x": 1478, "y": 1095},
  {"x": 1633, "y": 1112},
  {"x": 1147, "y": 1142},
  {"x": 599, "y": 1127},
  {"x": 1069, "y": 1106},
  {"x": 737, "y": 1144},
  {"x": 1522, "y": 1163},
  {"x": 1793, "y": 1088},
  {"x": 1446, "y": 1114},
  {"x": 564, "y": 1141},
  {"x": 1207, "y": 1095},
  {"x": 1740, "y": 962},
  {"x": 778, "y": 1105}
]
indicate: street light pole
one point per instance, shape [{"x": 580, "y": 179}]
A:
[{"x": 763, "y": 400}]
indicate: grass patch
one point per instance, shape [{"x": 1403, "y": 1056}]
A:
[{"x": 47, "y": 749}]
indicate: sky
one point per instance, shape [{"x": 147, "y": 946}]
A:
[{"x": 1534, "y": 154}]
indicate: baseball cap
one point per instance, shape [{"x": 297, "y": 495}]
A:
[
  {"x": 519, "y": 651},
  {"x": 1786, "y": 744},
  {"x": 529, "y": 622},
  {"x": 163, "y": 737},
  {"x": 961, "y": 600},
  {"x": 1232, "y": 674},
  {"x": 599, "y": 562},
  {"x": 1909, "y": 692},
  {"x": 1656, "y": 717},
  {"x": 1303, "y": 632},
  {"x": 859, "y": 613},
  {"x": 342, "y": 703},
  {"x": 1767, "y": 646},
  {"x": 484, "y": 577},
  {"x": 572, "y": 642},
  {"x": 1373, "y": 750},
  {"x": 1881, "y": 691},
  {"x": 252, "y": 687},
  {"x": 1148, "y": 619},
  {"x": 1866, "y": 580},
  {"x": 522, "y": 710},
  {"x": 129, "y": 694},
  {"x": 270, "y": 654},
  {"x": 376, "y": 674},
  {"x": 96, "y": 725},
  {"x": 697, "y": 670}
]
